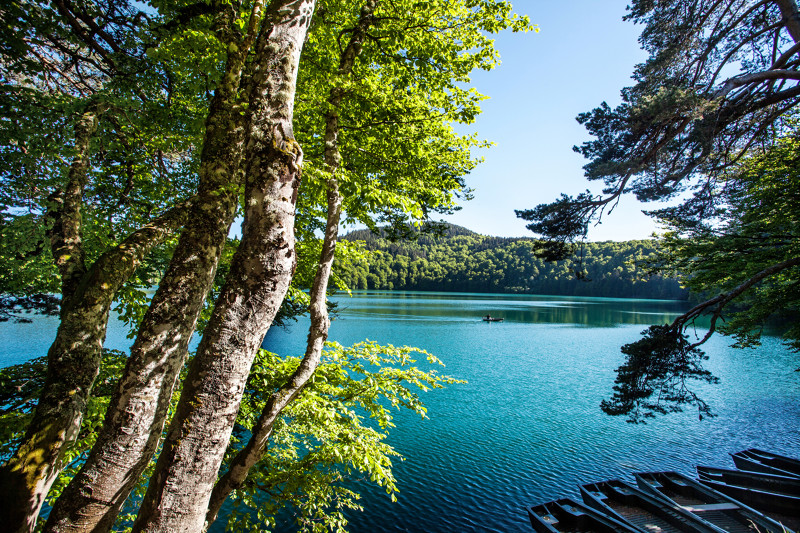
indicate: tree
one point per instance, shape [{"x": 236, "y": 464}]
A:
[
  {"x": 475, "y": 262},
  {"x": 235, "y": 68},
  {"x": 718, "y": 87},
  {"x": 98, "y": 234},
  {"x": 747, "y": 255}
]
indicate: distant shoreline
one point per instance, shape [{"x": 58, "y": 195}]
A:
[
  {"x": 446, "y": 292},
  {"x": 455, "y": 259}
]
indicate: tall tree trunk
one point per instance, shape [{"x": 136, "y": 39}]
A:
[
  {"x": 318, "y": 310},
  {"x": 317, "y": 335},
  {"x": 28, "y": 474},
  {"x": 73, "y": 364},
  {"x": 136, "y": 414},
  {"x": 179, "y": 491}
]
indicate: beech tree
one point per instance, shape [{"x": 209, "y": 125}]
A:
[
  {"x": 719, "y": 86},
  {"x": 85, "y": 208},
  {"x": 234, "y": 69}
]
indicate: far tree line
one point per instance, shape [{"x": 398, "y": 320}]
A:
[{"x": 460, "y": 260}]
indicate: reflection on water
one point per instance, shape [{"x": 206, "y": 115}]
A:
[
  {"x": 594, "y": 312},
  {"x": 527, "y": 426}
]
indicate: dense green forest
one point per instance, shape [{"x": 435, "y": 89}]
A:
[{"x": 461, "y": 260}]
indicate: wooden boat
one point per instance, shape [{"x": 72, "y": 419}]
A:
[
  {"x": 755, "y": 460},
  {"x": 751, "y": 480},
  {"x": 707, "y": 504},
  {"x": 492, "y": 319},
  {"x": 773, "y": 503},
  {"x": 646, "y": 513},
  {"x": 568, "y": 516}
]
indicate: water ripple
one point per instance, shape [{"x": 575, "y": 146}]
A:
[{"x": 527, "y": 427}]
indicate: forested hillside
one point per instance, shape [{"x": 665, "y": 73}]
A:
[{"x": 461, "y": 260}]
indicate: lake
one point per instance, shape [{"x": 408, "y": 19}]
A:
[{"x": 527, "y": 426}]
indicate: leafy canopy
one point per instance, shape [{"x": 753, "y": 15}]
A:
[
  {"x": 746, "y": 256},
  {"x": 333, "y": 433}
]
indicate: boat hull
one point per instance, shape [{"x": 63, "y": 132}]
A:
[
  {"x": 754, "y": 460},
  {"x": 567, "y": 515},
  {"x": 638, "y": 509},
  {"x": 753, "y": 480},
  {"x": 761, "y": 500},
  {"x": 707, "y": 504}
]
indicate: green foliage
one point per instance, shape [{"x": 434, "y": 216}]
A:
[
  {"x": 756, "y": 226},
  {"x": 710, "y": 120},
  {"x": 401, "y": 158},
  {"x": 20, "y": 386},
  {"x": 150, "y": 71},
  {"x": 743, "y": 260},
  {"x": 142, "y": 157},
  {"x": 467, "y": 262},
  {"x": 718, "y": 82},
  {"x": 331, "y": 434},
  {"x": 28, "y": 277}
]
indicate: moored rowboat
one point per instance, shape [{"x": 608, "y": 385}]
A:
[
  {"x": 707, "y": 504},
  {"x": 752, "y": 480},
  {"x": 754, "y": 460},
  {"x": 763, "y": 500},
  {"x": 568, "y": 516},
  {"x": 646, "y": 513}
]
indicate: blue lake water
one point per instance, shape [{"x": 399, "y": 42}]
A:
[{"x": 527, "y": 427}]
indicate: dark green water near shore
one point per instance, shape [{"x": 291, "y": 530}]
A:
[{"x": 526, "y": 427}]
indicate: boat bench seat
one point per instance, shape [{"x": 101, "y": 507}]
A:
[{"x": 711, "y": 507}]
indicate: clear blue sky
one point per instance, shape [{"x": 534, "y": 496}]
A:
[{"x": 583, "y": 55}]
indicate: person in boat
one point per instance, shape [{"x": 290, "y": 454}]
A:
[{"x": 488, "y": 317}]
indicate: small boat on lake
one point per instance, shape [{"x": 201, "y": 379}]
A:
[
  {"x": 640, "y": 510},
  {"x": 755, "y": 460},
  {"x": 751, "y": 480},
  {"x": 568, "y": 516},
  {"x": 707, "y": 504},
  {"x": 490, "y": 318}
]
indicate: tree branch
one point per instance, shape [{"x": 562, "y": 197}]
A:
[
  {"x": 65, "y": 209},
  {"x": 756, "y": 77},
  {"x": 791, "y": 17},
  {"x": 724, "y": 299}
]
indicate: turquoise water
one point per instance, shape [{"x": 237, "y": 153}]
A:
[{"x": 527, "y": 427}]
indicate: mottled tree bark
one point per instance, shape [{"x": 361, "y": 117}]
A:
[
  {"x": 178, "y": 494},
  {"x": 27, "y": 476},
  {"x": 254, "y": 450},
  {"x": 74, "y": 357},
  {"x": 136, "y": 414},
  {"x": 65, "y": 211}
]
